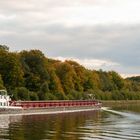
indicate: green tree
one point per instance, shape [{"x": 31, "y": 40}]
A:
[
  {"x": 21, "y": 93},
  {"x": 35, "y": 72},
  {"x": 106, "y": 82},
  {"x": 118, "y": 81},
  {"x": 33, "y": 96},
  {"x": 44, "y": 90},
  {"x": 11, "y": 69},
  {"x": 1, "y": 83},
  {"x": 4, "y": 47}
]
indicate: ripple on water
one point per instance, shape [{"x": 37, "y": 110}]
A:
[
  {"x": 93, "y": 126},
  {"x": 119, "y": 125}
]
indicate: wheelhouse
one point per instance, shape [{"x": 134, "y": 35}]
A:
[{"x": 4, "y": 98}]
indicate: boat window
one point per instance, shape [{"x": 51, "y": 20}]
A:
[{"x": 4, "y": 104}]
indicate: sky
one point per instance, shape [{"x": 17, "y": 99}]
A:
[{"x": 99, "y": 34}]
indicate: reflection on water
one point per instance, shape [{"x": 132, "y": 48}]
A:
[
  {"x": 109, "y": 124},
  {"x": 5, "y": 122}
]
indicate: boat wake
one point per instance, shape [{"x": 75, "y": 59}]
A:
[
  {"x": 113, "y": 111},
  {"x": 129, "y": 115}
]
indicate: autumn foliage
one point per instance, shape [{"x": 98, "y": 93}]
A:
[{"x": 30, "y": 75}]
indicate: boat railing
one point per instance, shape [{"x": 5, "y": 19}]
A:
[{"x": 64, "y": 103}]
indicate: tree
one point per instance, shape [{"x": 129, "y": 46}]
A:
[
  {"x": 105, "y": 81},
  {"x": 4, "y": 47},
  {"x": 35, "y": 72},
  {"x": 33, "y": 96},
  {"x": 116, "y": 78},
  {"x": 66, "y": 74},
  {"x": 21, "y": 93},
  {"x": 1, "y": 83},
  {"x": 54, "y": 82},
  {"x": 32, "y": 76},
  {"x": 79, "y": 77},
  {"x": 11, "y": 69},
  {"x": 44, "y": 89}
]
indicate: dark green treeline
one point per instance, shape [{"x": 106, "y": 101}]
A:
[{"x": 29, "y": 75}]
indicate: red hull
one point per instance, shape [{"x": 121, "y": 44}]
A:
[{"x": 48, "y": 104}]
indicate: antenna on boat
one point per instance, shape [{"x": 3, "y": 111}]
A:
[{"x": 91, "y": 96}]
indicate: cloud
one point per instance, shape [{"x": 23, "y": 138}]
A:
[
  {"x": 129, "y": 75},
  {"x": 105, "y": 33},
  {"x": 97, "y": 64},
  {"x": 4, "y": 17},
  {"x": 89, "y": 63},
  {"x": 73, "y": 13}
]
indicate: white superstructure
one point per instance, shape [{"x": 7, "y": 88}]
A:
[{"x": 4, "y": 98}]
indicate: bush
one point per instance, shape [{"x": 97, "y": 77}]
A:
[
  {"x": 33, "y": 96},
  {"x": 21, "y": 93}
]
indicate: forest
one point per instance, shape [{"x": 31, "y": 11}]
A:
[{"x": 30, "y": 75}]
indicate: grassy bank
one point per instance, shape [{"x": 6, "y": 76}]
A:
[{"x": 119, "y": 102}]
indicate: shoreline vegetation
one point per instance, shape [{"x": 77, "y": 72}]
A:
[
  {"x": 120, "y": 102},
  {"x": 30, "y": 75}
]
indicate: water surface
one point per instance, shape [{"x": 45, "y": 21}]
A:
[{"x": 114, "y": 123}]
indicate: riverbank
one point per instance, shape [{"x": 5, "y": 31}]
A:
[{"x": 119, "y": 102}]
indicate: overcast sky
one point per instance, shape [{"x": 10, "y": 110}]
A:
[{"x": 100, "y": 34}]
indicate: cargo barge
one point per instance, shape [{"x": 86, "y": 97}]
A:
[{"x": 7, "y": 106}]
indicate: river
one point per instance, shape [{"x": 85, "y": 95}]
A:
[{"x": 118, "y": 122}]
